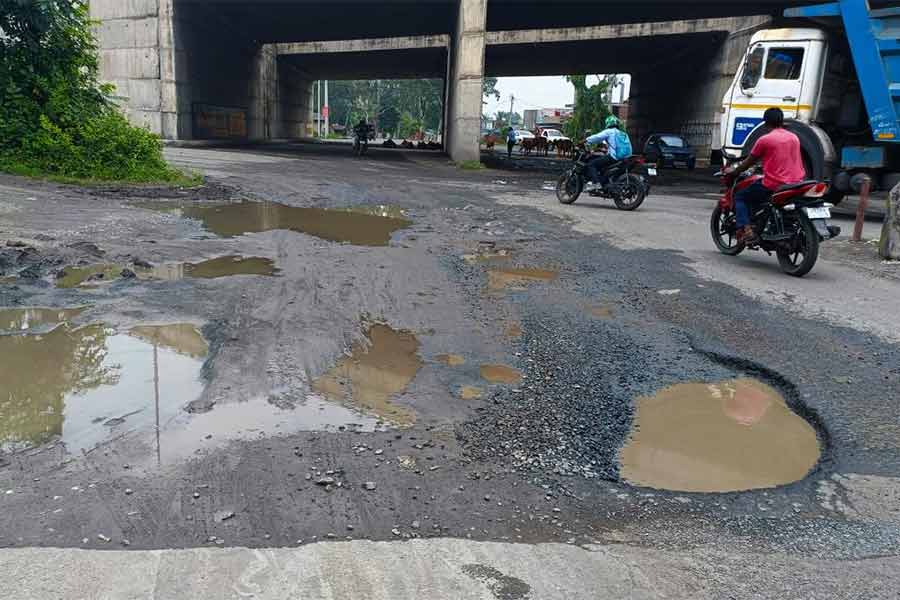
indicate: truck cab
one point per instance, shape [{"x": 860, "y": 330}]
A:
[{"x": 837, "y": 81}]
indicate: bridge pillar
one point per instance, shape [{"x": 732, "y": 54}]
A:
[{"x": 465, "y": 84}]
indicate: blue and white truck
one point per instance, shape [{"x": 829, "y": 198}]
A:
[{"x": 834, "y": 69}]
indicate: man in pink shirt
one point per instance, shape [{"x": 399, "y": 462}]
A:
[{"x": 782, "y": 163}]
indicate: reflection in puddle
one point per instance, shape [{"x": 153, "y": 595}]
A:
[
  {"x": 729, "y": 436},
  {"x": 452, "y": 360},
  {"x": 89, "y": 384},
  {"x": 500, "y": 374},
  {"x": 29, "y": 319},
  {"x": 223, "y": 266},
  {"x": 375, "y": 373},
  {"x": 362, "y": 226},
  {"x": 468, "y": 392},
  {"x": 71, "y": 277},
  {"x": 501, "y": 279}
]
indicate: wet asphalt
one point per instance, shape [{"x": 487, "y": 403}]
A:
[{"x": 531, "y": 462}]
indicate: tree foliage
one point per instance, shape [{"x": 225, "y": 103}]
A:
[
  {"x": 384, "y": 103},
  {"x": 592, "y": 105},
  {"x": 55, "y": 116}
]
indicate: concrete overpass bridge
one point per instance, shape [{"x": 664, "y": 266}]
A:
[{"x": 190, "y": 69}]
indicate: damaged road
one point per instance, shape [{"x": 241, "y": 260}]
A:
[{"x": 311, "y": 349}]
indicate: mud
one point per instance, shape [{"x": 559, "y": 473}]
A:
[
  {"x": 374, "y": 374},
  {"x": 500, "y": 279},
  {"x": 500, "y": 374},
  {"x": 468, "y": 392},
  {"x": 361, "y": 226},
  {"x": 451, "y": 360},
  {"x": 730, "y": 436}
]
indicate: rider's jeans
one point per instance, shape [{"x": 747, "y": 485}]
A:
[
  {"x": 595, "y": 165},
  {"x": 750, "y": 196}
]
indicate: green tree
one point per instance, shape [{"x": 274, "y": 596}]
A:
[
  {"x": 409, "y": 125},
  {"x": 489, "y": 88},
  {"x": 592, "y": 105},
  {"x": 515, "y": 120},
  {"x": 55, "y": 117}
]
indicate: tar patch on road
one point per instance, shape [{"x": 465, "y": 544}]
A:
[
  {"x": 503, "y": 587},
  {"x": 718, "y": 437}
]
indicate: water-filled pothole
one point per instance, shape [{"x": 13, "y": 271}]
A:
[
  {"x": 72, "y": 277},
  {"x": 86, "y": 385},
  {"x": 374, "y": 374},
  {"x": 223, "y": 266},
  {"x": 516, "y": 278},
  {"x": 35, "y": 318},
  {"x": 361, "y": 226},
  {"x": 718, "y": 437},
  {"x": 500, "y": 374}
]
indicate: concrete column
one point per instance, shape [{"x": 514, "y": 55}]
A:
[{"x": 466, "y": 75}]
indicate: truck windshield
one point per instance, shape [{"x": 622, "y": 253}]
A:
[
  {"x": 753, "y": 68},
  {"x": 784, "y": 63}
]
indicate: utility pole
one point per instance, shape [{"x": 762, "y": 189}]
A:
[
  {"x": 327, "y": 111},
  {"x": 317, "y": 112},
  {"x": 511, "y": 100}
]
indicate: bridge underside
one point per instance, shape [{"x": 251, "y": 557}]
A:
[{"x": 244, "y": 68}]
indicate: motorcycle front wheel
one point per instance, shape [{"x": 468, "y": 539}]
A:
[
  {"x": 569, "y": 187},
  {"x": 723, "y": 227},
  {"x": 631, "y": 193},
  {"x": 801, "y": 256}
]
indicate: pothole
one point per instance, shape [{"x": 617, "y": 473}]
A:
[
  {"x": 361, "y": 226},
  {"x": 728, "y": 436},
  {"x": 223, "y": 266},
  {"x": 374, "y": 373},
  {"x": 36, "y": 319},
  {"x": 500, "y": 374},
  {"x": 452, "y": 360},
  {"x": 469, "y": 392},
  {"x": 86, "y": 385},
  {"x": 71, "y": 277},
  {"x": 500, "y": 279}
]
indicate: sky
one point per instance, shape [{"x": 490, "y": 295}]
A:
[{"x": 534, "y": 92}]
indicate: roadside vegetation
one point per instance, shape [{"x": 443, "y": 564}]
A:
[{"x": 56, "y": 119}]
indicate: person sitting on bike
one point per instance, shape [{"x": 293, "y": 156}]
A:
[
  {"x": 362, "y": 130},
  {"x": 619, "y": 145},
  {"x": 779, "y": 151}
]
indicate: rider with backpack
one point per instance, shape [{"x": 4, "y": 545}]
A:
[{"x": 619, "y": 145}]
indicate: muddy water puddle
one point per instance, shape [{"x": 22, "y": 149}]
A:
[
  {"x": 361, "y": 226},
  {"x": 86, "y": 385},
  {"x": 500, "y": 279},
  {"x": 469, "y": 392},
  {"x": 721, "y": 437},
  {"x": 500, "y": 374},
  {"x": 14, "y": 320},
  {"x": 374, "y": 374},
  {"x": 451, "y": 360},
  {"x": 222, "y": 266}
]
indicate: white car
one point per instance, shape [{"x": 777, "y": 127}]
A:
[
  {"x": 523, "y": 134},
  {"x": 553, "y": 135}
]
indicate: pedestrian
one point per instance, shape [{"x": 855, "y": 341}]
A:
[{"x": 510, "y": 142}]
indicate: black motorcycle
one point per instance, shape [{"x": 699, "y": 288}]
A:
[
  {"x": 624, "y": 184},
  {"x": 361, "y": 137}
]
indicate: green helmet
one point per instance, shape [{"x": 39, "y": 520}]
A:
[{"x": 611, "y": 121}]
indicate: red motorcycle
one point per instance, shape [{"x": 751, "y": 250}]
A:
[{"x": 791, "y": 223}]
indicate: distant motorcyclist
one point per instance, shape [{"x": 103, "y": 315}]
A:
[
  {"x": 362, "y": 129},
  {"x": 618, "y": 143},
  {"x": 782, "y": 162}
]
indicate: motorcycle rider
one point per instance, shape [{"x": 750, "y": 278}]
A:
[
  {"x": 619, "y": 145},
  {"x": 779, "y": 151}
]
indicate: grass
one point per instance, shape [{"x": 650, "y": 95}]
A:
[
  {"x": 176, "y": 179},
  {"x": 470, "y": 165}
]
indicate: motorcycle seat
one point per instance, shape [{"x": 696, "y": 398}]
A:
[{"x": 794, "y": 186}]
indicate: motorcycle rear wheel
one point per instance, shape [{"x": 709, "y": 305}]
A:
[
  {"x": 801, "y": 258},
  {"x": 632, "y": 194},
  {"x": 569, "y": 188},
  {"x": 723, "y": 228}
]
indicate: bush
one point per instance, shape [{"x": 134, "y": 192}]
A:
[{"x": 55, "y": 117}]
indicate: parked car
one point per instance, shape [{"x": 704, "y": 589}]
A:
[
  {"x": 669, "y": 150},
  {"x": 523, "y": 134},
  {"x": 553, "y": 135}
]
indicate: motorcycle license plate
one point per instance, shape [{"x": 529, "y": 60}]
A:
[
  {"x": 651, "y": 171},
  {"x": 818, "y": 212}
]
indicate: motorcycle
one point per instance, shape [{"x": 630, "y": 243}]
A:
[
  {"x": 361, "y": 138},
  {"x": 791, "y": 223},
  {"x": 624, "y": 185}
]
